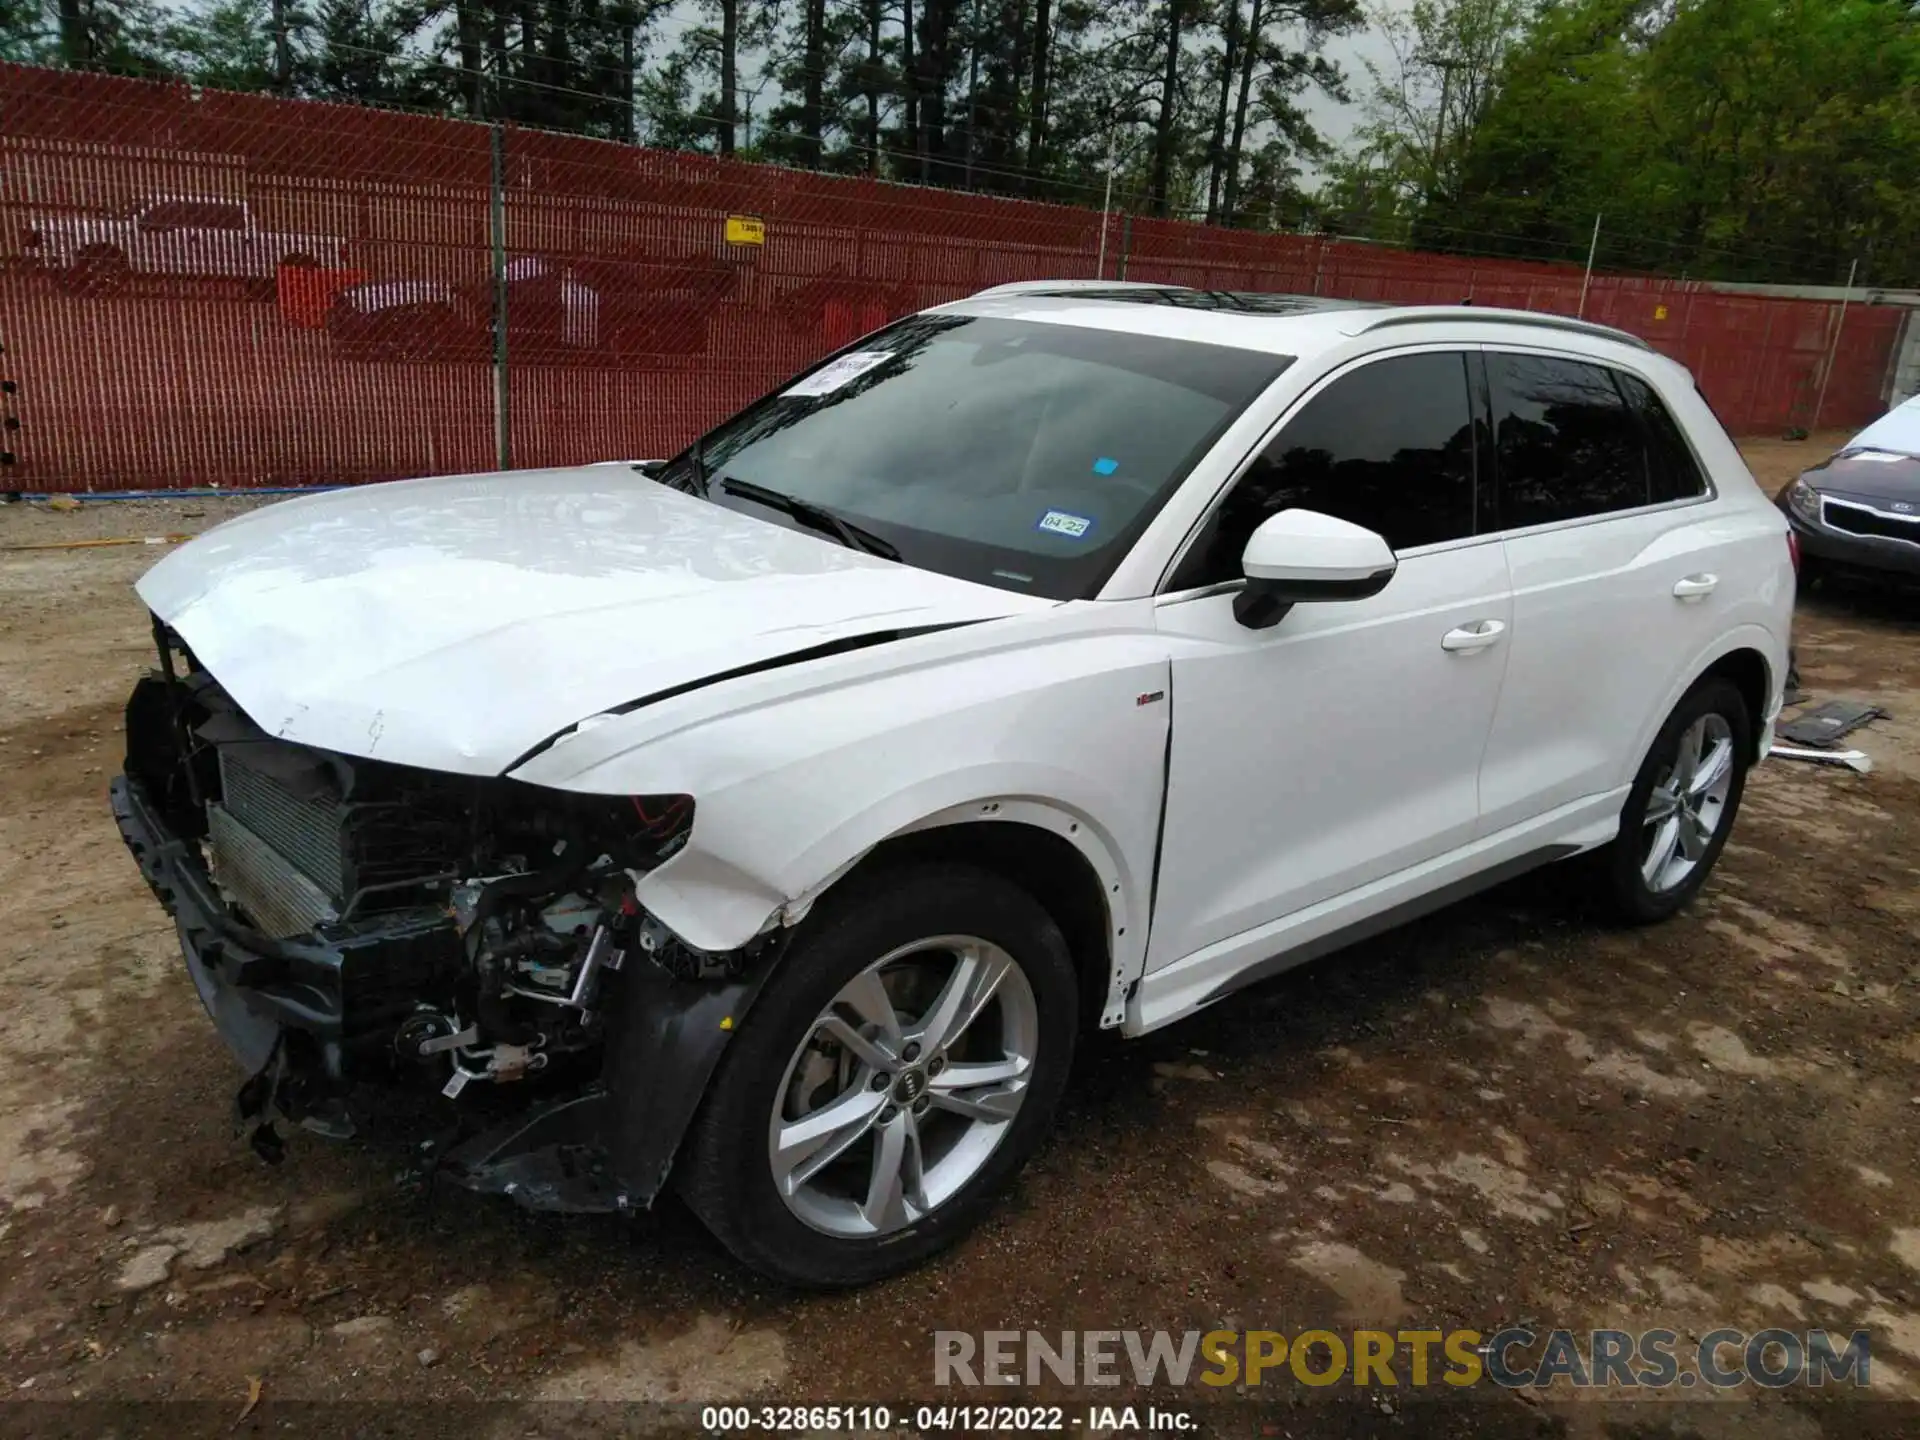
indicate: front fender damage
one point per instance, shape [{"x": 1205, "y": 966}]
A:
[{"x": 612, "y": 1147}]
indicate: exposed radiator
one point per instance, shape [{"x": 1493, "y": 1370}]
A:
[
  {"x": 281, "y": 901},
  {"x": 304, "y": 831}
]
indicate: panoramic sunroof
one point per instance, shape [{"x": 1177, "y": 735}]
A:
[{"x": 1245, "y": 302}]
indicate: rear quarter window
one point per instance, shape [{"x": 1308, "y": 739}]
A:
[
  {"x": 1673, "y": 472},
  {"x": 1566, "y": 444}
]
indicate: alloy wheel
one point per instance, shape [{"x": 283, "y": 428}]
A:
[
  {"x": 903, "y": 1086},
  {"x": 1688, "y": 803}
]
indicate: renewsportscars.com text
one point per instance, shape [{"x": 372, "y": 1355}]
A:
[{"x": 1514, "y": 1358}]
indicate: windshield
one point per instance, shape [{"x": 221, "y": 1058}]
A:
[{"x": 1015, "y": 453}]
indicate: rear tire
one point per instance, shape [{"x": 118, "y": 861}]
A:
[
  {"x": 946, "y": 954},
  {"x": 1681, "y": 808}
]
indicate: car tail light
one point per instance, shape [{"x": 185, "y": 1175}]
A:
[{"x": 1793, "y": 550}]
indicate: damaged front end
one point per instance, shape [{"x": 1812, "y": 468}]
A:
[{"x": 361, "y": 932}]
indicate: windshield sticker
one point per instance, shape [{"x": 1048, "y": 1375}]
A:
[
  {"x": 1059, "y": 522},
  {"x": 836, "y": 373},
  {"x": 1105, "y": 466}
]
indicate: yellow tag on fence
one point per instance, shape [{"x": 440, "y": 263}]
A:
[
  {"x": 746, "y": 230},
  {"x": 1659, "y": 312}
]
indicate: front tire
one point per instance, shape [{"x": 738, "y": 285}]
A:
[
  {"x": 900, "y": 1066},
  {"x": 1681, "y": 807}
]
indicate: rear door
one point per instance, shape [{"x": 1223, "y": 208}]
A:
[{"x": 1617, "y": 565}]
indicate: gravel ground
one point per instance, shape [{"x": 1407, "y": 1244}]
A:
[{"x": 1504, "y": 1112}]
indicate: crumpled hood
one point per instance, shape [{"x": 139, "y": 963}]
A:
[{"x": 456, "y": 623}]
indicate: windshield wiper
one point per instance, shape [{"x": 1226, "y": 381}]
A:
[
  {"x": 816, "y": 517},
  {"x": 701, "y": 479},
  {"x": 697, "y": 467},
  {"x": 687, "y": 472}
]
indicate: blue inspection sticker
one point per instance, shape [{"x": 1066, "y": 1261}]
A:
[
  {"x": 1060, "y": 522},
  {"x": 1105, "y": 465}
]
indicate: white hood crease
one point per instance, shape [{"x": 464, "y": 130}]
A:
[{"x": 454, "y": 624}]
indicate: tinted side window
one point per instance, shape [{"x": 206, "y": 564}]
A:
[
  {"x": 1567, "y": 444},
  {"x": 1676, "y": 474},
  {"x": 1388, "y": 446}
]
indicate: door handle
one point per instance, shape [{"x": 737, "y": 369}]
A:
[
  {"x": 1695, "y": 587},
  {"x": 1477, "y": 636}
]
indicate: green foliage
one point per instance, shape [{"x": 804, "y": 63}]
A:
[
  {"x": 27, "y": 34},
  {"x": 1448, "y": 59},
  {"x": 119, "y": 37},
  {"x": 1756, "y": 139},
  {"x": 348, "y": 52},
  {"x": 226, "y": 45}
]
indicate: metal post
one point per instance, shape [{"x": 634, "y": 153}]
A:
[
  {"x": 1750, "y": 416},
  {"x": 1587, "y": 279},
  {"x": 1834, "y": 349},
  {"x": 502, "y": 390},
  {"x": 1126, "y": 242},
  {"x": 1106, "y": 206}
]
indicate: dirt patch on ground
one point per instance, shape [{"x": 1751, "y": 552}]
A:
[{"x": 1503, "y": 1113}]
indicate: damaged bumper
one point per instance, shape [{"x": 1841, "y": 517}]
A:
[
  {"x": 258, "y": 990},
  {"x": 313, "y": 1021}
]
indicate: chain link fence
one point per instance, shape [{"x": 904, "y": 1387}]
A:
[{"x": 200, "y": 288}]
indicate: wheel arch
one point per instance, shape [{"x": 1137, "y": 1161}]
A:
[
  {"x": 1040, "y": 859},
  {"x": 1747, "y": 668},
  {"x": 1740, "y": 655}
]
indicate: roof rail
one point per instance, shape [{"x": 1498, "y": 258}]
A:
[
  {"x": 1539, "y": 319},
  {"x": 1061, "y": 287}
]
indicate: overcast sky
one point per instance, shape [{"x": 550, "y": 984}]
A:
[{"x": 1336, "y": 121}]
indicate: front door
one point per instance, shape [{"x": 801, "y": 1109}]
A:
[{"x": 1343, "y": 744}]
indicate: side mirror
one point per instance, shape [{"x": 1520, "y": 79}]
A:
[{"x": 1301, "y": 557}]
